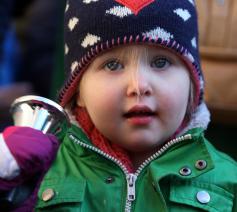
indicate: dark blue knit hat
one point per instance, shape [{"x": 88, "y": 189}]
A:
[{"x": 94, "y": 26}]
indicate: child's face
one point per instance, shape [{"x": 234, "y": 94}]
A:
[{"x": 136, "y": 95}]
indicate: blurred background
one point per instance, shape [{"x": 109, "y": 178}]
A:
[
  {"x": 32, "y": 49},
  {"x": 218, "y": 48}
]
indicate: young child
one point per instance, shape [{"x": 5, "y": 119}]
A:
[{"x": 134, "y": 95}]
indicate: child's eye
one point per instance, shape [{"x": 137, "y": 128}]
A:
[
  {"x": 113, "y": 65},
  {"x": 160, "y": 62}
]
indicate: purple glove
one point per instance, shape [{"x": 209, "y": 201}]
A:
[{"x": 32, "y": 150}]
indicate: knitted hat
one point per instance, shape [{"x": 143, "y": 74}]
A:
[{"x": 94, "y": 26}]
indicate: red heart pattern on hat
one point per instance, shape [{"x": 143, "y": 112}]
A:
[{"x": 135, "y": 5}]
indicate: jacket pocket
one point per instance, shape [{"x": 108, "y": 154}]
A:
[
  {"x": 198, "y": 196},
  {"x": 61, "y": 195}
]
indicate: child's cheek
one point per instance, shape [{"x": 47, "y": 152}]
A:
[{"x": 174, "y": 104}]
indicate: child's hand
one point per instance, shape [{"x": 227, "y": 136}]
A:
[{"x": 32, "y": 150}]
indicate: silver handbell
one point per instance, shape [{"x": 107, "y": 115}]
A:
[{"x": 39, "y": 113}]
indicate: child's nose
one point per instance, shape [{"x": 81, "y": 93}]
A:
[{"x": 139, "y": 84}]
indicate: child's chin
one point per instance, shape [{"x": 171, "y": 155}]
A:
[
  {"x": 141, "y": 146},
  {"x": 147, "y": 140}
]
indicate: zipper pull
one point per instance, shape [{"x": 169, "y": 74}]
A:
[{"x": 131, "y": 179}]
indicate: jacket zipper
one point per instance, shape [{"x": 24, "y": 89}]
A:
[{"x": 132, "y": 177}]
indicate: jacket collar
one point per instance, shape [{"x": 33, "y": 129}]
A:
[
  {"x": 186, "y": 160},
  {"x": 184, "y": 156}
]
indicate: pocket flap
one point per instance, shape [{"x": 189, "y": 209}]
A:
[
  {"x": 58, "y": 191},
  {"x": 205, "y": 196}
]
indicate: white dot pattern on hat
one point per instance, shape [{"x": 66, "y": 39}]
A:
[
  {"x": 89, "y": 1},
  {"x": 119, "y": 11},
  {"x": 192, "y": 2},
  {"x": 74, "y": 65},
  {"x": 194, "y": 42},
  {"x": 158, "y": 33},
  {"x": 72, "y": 23},
  {"x": 182, "y": 13},
  {"x": 190, "y": 57},
  {"x": 66, "y": 49},
  {"x": 90, "y": 40}
]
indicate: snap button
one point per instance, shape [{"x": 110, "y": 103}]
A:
[
  {"x": 109, "y": 180},
  {"x": 203, "y": 197},
  {"x": 201, "y": 164},
  {"x": 185, "y": 171},
  {"x": 48, "y": 194}
]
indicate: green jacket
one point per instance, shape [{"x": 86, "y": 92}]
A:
[{"x": 187, "y": 174}]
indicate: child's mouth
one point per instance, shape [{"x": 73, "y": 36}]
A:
[{"x": 139, "y": 115}]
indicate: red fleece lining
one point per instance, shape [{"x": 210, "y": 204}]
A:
[{"x": 100, "y": 141}]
